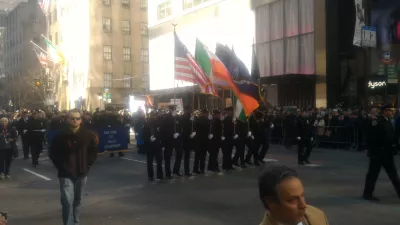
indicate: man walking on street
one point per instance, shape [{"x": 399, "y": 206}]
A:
[{"x": 73, "y": 152}]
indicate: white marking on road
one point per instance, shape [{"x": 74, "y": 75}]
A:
[
  {"x": 312, "y": 165},
  {"x": 36, "y": 174},
  {"x": 134, "y": 160},
  {"x": 44, "y": 159},
  {"x": 271, "y": 160}
]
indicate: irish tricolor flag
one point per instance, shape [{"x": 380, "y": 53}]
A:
[
  {"x": 220, "y": 76},
  {"x": 239, "y": 112}
]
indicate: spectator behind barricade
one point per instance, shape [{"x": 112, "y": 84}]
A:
[{"x": 282, "y": 194}]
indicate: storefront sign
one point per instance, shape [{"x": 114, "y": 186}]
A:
[
  {"x": 368, "y": 36},
  {"x": 381, "y": 70},
  {"x": 376, "y": 84},
  {"x": 387, "y": 57},
  {"x": 392, "y": 73}
]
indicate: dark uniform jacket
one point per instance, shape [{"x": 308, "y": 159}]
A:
[
  {"x": 384, "y": 138},
  {"x": 151, "y": 128},
  {"x": 74, "y": 153},
  {"x": 304, "y": 128},
  {"x": 185, "y": 125},
  {"x": 202, "y": 127},
  {"x": 34, "y": 133},
  {"x": 22, "y": 125},
  {"x": 216, "y": 128},
  {"x": 229, "y": 128},
  {"x": 167, "y": 129}
]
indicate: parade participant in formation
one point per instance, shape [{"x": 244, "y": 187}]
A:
[
  {"x": 152, "y": 145},
  {"x": 21, "y": 126},
  {"x": 228, "y": 136},
  {"x": 139, "y": 118},
  {"x": 186, "y": 127},
  {"x": 216, "y": 141},
  {"x": 380, "y": 153},
  {"x": 266, "y": 125},
  {"x": 257, "y": 130},
  {"x": 202, "y": 129},
  {"x": 35, "y": 133},
  {"x": 304, "y": 138},
  {"x": 282, "y": 194},
  {"x": 73, "y": 152},
  {"x": 239, "y": 140},
  {"x": 8, "y": 138},
  {"x": 169, "y": 138}
]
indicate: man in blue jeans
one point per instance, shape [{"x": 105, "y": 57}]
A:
[{"x": 73, "y": 152}]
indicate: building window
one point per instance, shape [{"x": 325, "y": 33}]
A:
[
  {"x": 126, "y": 27},
  {"x": 188, "y": 4},
  {"x": 106, "y": 25},
  {"x": 285, "y": 43},
  {"x": 144, "y": 29},
  {"x": 107, "y": 2},
  {"x": 108, "y": 80},
  {"x": 56, "y": 38},
  {"x": 127, "y": 54},
  {"x": 145, "y": 55},
  {"x": 107, "y": 52},
  {"x": 143, "y": 4},
  {"x": 125, "y": 3},
  {"x": 164, "y": 10},
  {"x": 55, "y": 16},
  {"x": 127, "y": 81}
]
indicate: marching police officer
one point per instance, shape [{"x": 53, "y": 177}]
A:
[
  {"x": 21, "y": 126},
  {"x": 215, "y": 141},
  {"x": 380, "y": 153},
  {"x": 168, "y": 138},
  {"x": 228, "y": 139},
  {"x": 186, "y": 128},
  {"x": 152, "y": 145},
  {"x": 304, "y": 138},
  {"x": 202, "y": 126},
  {"x": 35, "y": 133}
]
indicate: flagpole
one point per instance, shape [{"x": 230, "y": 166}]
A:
[
  {"x": 174, "y": 24},
  {"x": 38, "y": 47}
]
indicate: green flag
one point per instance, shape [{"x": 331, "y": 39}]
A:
[
  {"x": 239, "y": 112},
  {"x": 202, "y": 58}
]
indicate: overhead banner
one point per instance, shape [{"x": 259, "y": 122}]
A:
[{"x": 360, "y": 23}]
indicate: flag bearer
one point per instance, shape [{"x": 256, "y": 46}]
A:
[
  {"x": 202, "y": 126},
  {"x": 215, "y": 142},
  {"x": 228, "y": 139}
]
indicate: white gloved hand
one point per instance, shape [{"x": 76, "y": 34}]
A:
[
  {"x": 128, "y": 125},
  {"x": 223, "y": 138},
  {"x": 222, "y": 117},
  {"x": 272, "y": 126},
  {"x": 174, "y": 113},
  {"x": 176, "y": 135},
  {"x": 252, "y": 137},
  {"x": 210, "y": 136},
  {"x": 249, "y": 134},
  {"x": 298, "y": 138},
  {"x": 235, "y": 137},
  {"x": 152, "y": 138},
  {"x": 193, "y": 134},
  {"x": 312, "y": 139},
  {"x": 192, "y": 118},
  {"x": 210, "y": 117},
  {"x": 43, "y": 130},
  {"x": 25, "y": 131}
]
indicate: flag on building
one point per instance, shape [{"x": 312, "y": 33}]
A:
[
  {"x": 239, "y": 112},
  {"x": 54, "y": 53},
  {"x": 220, "y": 76},
  {"x": 149, "y": 100},
  {"x": 255, "y": 69},
  {"x": 41, "y": 55},
  {"x": 187, "y": 69},
  {"x": 44, "y": 6}
]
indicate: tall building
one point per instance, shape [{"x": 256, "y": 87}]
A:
[
  {"x": 23, "y": 23},
  {"x": 105, "y": 44}
]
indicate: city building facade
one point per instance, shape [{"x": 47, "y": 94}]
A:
[{"x": 105, "y": 44}]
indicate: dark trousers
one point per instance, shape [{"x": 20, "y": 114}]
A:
[
  {"x": 253, "y": 150},
  {"x": 154, "y": 153},
  {"x": 25, "y": 146},
  {"x": 186, "y": 152},
  {"x": 375, "y": 165},
  {"x": 239, "y": 153},
  {"x": 6, "y": 156},
  {"x": 227, "y": 154},
  {"x": 178, "y": 156},
  {"x": 36, "y": 149},
  {"x": 214, "y": 147},
  {"x": 200, "y": 156},
  {"x": 303, "y": 155},
  {"x": 264, "y": 148}
]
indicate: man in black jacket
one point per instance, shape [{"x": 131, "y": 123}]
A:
[
  {"x": 380, "y": 152},
  {"x": 304, "y": 138},
  {"x": 73, "y": 152}
]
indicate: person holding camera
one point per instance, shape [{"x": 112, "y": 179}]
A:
[
  {"x": 3, "y": 220},
  {"x": 8, "y": 137}
]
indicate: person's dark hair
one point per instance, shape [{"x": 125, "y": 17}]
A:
[
  {"x": 74, "y": 111},
  {"x": 270, "y": 178}
]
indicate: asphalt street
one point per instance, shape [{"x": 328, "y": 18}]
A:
[{"x": 118, "y": 193}]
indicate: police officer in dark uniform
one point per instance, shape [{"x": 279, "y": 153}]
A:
[
  {"x": 152, "y": 145},
  {"x": 187, "y": 138},
  {"x": 380, "y": 153},
  {"x": 35, "y": 133},
  {"x": 239, "y": 141},
  {"x": 304, "y": 138},
  {"x": 257, "y": 135},
  {"x": 229, "y": 133},
  {"x": 215, "y": 141},
  {"x": 22, "y": 127},
  {"x": 202, "y": 129},
  {"x": 168, "y": 138}
]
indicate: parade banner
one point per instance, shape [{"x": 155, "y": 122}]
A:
[
  {"x": 111, "y": 139},
  {"x": 360, "y": 22}
]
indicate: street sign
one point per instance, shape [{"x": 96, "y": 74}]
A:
[
  {"x": 387, "y": 57},
  {"x": 368, "y": 38},
  {"x": 392, "y": 72},
  {"x": 381, "y": 70}
]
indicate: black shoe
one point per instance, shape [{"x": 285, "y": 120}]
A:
[
  {"x": 249, "y": 163},
  {"x": 111, "y": 155},
  {"x": 302, "y": 163},
  {"x": 202, "y": 172},
  {"x": 196, "y": 172},
  {"x": 257, "y": 164},
  {"x": 121, "y": 154},
  {"x": 371, "y": 198},
  {"x": 151, "y": 179},
  {"x": 262, "y": 161},
  {"x": 188, "y": 174},
  {"x": 243, "y": 166},
  {"x": 160, "y": 178},
  {"x": 169, "y": 177},
  {"x": 307, "y": 161},
  {"x": 179, "y": 174}
]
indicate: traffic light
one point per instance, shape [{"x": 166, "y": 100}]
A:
[{"x": 38, "y": 83}]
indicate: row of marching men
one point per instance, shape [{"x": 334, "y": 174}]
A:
[{"x": 165, "y": 132}]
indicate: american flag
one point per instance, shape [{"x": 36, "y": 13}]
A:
[
  {"x": 187, "y": 69},
  {"x": 44, "y": 5}
]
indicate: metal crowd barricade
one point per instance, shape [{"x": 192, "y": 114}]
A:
[{"x": 337, "y": 137}]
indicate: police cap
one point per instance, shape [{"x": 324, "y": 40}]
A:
[
  {"x": 216, "y": 111},
  {"x": 204, "y": 111},
  {"x": 387, "y": 107}
]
